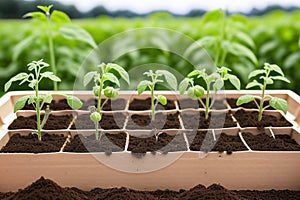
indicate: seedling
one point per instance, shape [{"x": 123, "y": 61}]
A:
[
  {"x": 216, "y": 80},
  {"x": 37, "y": 100},
  {"x": 46, "y": 14},
  {"x": 267, "y": 79},
  {"x": 156, "y": 78},
  {"x": 107, "y": 83}
]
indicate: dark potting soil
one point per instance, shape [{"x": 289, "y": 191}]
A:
[
  {"x": 54, "y": 105},
  {"x": 228, "y": 143},
  {"x": 30, "y": 143},
  {"x": 53, "y": 122},
  {"x": 145, "y": 104},
  {"x": 196, "y": 120},
  {"x": 110, "y": 105},
  {"x": 108, "y": 121},
  {"x": 190, "y": 103},
  {"x": 250, "y": 105},
  {"x": 108, "y": 143},
  {"x": 49, "y": 190},
  {"x": 163, "y": 143},
  {"x": 162, "y": 121},
  {"x": 250, "y": 119},
  {"x": 264, "y": 142}
]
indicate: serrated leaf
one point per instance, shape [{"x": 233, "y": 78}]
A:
[
  {"x": 255, "y": 73},
  {"x": 218, "y": 85},
  {"x": 88, "y": 77},
  {"x": 279, "y": 104},
  {"x": 183, "y": 85},
  {"x": 47, "y": 98},
  {"x": 61, "y": 17},
  {"x": 79, "y": 34},
  {"x": 17, "y": 77},
  {"x": 142, "y": 86},
  {"x": 234, "y": 80},
  {"x": 35, "y": 15},
  {"x": 275, "y": 68},
  {"x": 281, "y": 78},
  {"x": 20, "y": 103},
  {"x": 244, "y": 99},
  {"x": 51, "y": 76},
  {"x": 112, "y": 78},
  {"x": 170, "y": 78},
  {"x": 253, "y": 84},
  {"x": 120, "y": 70},
  {"x": 74, "y": 102}
]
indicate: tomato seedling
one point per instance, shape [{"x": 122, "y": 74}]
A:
[
  {"x": 107, "y": 83},
  {"x": 267, "y": 79},
  {"x": 150, "y": 84},
  {"x": 37, "y": 100},
  {"x": 216, "y": 80}
]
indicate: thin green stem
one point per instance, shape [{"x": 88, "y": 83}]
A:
[
  {"x": 152, "y": 103},
  {"x": 261, "y": 105},
  {"x": 38, "y": 112},
  {"x": 99, "y": 96},
  {"x": 207, "y": 102},
  {"x": 97, "y": 130},
  {"x": 51, "y": 51}
]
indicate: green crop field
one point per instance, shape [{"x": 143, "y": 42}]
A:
[{"x": 239, "y": 43}]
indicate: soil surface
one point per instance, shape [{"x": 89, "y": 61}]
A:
[
  {"x": 30, "y": 143},
  {"x": 196, "y": 120},
  {"x": 250, "y": 105},
  {"x": 223, "y": 142},
  {"x": 189, "y": 103},
  {"x": 162, "y": 121},
  {"x": 108, "y": 143},
  {"x": 47, "y": 189},
  {"x": 54, "y": 105},
  {"x": 53, "y": 122},
  {"x": 110, "y": 105},
  {"x": 163, "y": 143},
  {"x": 108, "y": 121},
  {"x": 145, "y": 104},
  {"x": 264, "y": 142},
  {"x": 250, "y": 119}
]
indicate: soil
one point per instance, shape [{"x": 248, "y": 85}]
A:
[
  {"x": 164, "y": 143},
  {"x": 189, "y": 103},
  {"x": 53, "y": 122},
  {"x": 145, "y": 104},
  {"x": 162, "y": 121},
  {"x": 250, "y": 105},
  {"x": 54, "y": 105},
  {"x": 264, "y": 142},
  {"x": 110, "y": 105},
  {"x": 228, "y": 143},
  {"x": 30, "y": 143},
  {"x": 196, "y": 120},
  {"x": 250, "y": 119},
  {"x": 47, "y": 189},
  {"x": 108, "y": 143},
  {"x": 108, "y": 121}
]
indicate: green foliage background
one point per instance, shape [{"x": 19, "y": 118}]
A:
[{"x": 249, "y": 42}]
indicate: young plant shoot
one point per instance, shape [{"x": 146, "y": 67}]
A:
[
  {"x": 216, "y": 80},
  {"x": 267, "y": 79},
  {"x": 37, "y": 100},
  {"x": 107, "y": 83},
  {"x": 46, "y": 15},
  {"x": 156, "y": 77}
]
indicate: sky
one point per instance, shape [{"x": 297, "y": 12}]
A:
[{"x": 179, "y": 6}]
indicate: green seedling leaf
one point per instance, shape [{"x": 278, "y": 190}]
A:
[
  {"x": 253, "y": 84},
  {"x": 281, "y": 78},
  {"x": 198, "y": 91},
  {"x": 31, "y": 100},
  {"x": 51, "y": 76},
  {"x": 162, "y": 99},
  {"x": 255, "y": 73},
  {"x": 20, "y": 103},
  {"x": 46, "y": 9},
  {"x": 95, "y": 117},
  {"x": 74, "y": 102},
  {"x": 61, "y": 17},
  {"x": 195, "y": 73},
  {"x": 88, "y": 77},
  {"x": 47, "y": 98},
  {"x": 32, "y": 84},
  {"x": 35, "y": 15},
  {"x": 268, "y": 80},
  {"x": 218, "y": 85},
  {"x": 17, "y": 77},
  {"x": 142, "y": 86},
  {"x": 191, "y": 93},
  {"x": 240, "y": 50},
  {"x": 108, "y": 91},
  {"x": 170, "y": 78},
  {"x": 279, "y": 104},
  {"x": 120, "y": 70},
  {"x": 243, "y": 37},
  {"x": 79, "y": 34},
  {"x": 244, "y": 99},
  {"x": 275, "y": 68},
  {"x": 112, "y": 78},
  {"x": 234, "y": 81},
  {"x": 183, "y": 85},
  {"x": 207, "y": 41}
]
